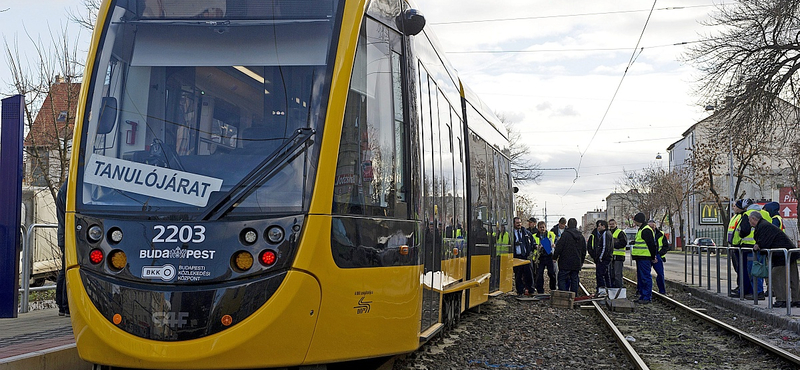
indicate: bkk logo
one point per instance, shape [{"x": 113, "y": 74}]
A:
[{"x": 166, "y": 272}]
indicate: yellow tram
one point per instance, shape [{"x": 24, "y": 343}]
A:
[{"x": 266, "y": 183}]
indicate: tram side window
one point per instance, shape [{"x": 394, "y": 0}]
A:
[{"x": 370, "y": 169}]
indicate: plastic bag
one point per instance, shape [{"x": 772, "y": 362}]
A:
[{"x": 760, "y": 269}]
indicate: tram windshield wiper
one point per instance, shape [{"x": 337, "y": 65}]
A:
[{"x": 264, "y": 171}]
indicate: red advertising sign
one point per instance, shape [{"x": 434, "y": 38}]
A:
[
  {"x": 788, "y": 210},
  {"x": 786, "y": 196}
]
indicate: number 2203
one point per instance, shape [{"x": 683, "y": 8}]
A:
[{"x": 183, "y": 234}]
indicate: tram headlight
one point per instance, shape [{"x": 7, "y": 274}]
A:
[
  {"x": 275, "y": 234},
  {"x": 117, "y": 260},
  {"x": 95, "y": 233},
  {"x": 115, "y": 235},
  {"x": 248, "y": 236},
  {"x": 242, "y": 261}
]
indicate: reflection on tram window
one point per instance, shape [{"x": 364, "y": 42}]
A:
[{"x": 370, "y": 171}]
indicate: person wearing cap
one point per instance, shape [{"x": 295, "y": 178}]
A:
[
  {"x": 769, "y": 236},
  {"x": 643, "y": 252},
  {"x": 773, "y": 208},
  {"x": 658, "y": 261},
  {"x": 532, "y": 225}
]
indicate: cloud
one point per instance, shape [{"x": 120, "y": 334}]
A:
[
  {"x": 546, "y": 105},
  {"x": 567, "y": 111}
]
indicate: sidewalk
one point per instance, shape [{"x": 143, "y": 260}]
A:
[
  {"x": 38, "y": 340},
  {"x": 677, "y": 278}
]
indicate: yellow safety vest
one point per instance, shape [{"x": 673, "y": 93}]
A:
[
  {"x": 780, "y": 220},
  {"x": 503, "y": 238},
  {"x": 748, "y": 240},
  {"x": 639, "y": 246},
  {"x": 765, "y": 215},
  {"x": 615, "y": 236},
  {"x": 734, "y": 222}
]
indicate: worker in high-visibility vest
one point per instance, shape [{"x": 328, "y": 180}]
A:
[
  {"x": 643, "y": 252},
  {"x": 618, "y": 260},
  {"x": 732, "y": 225},
  {"x": 773, "y": 208},
  {"x": 744, "y": 237},
  {"x": 546, "y": 242}
]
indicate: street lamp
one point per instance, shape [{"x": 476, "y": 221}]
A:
[{"x": 658, "y": 156}]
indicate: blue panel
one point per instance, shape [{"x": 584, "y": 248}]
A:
[{"x": 10, "y": 202}]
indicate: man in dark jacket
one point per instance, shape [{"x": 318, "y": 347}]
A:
[
  {"x": 523, "y": 247},
  {"x": 601, "y": 248},
  {"x": 620, "y": 242},
  {"x": 532, "y": 225},
  {"x": 61, "y": 291},
  {"x": 658, "y": 262},
  {"x": 570, "y": 253},
  {"x": 643, "y": 252},
  {"x": 769, "y": 236}
]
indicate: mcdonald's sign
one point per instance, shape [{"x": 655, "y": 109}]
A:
[{"x": 710, "y": 214}]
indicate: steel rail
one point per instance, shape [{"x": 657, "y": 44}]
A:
[
  {"x": 741, "y": 334},
  {"x": 637, "y": 360}
]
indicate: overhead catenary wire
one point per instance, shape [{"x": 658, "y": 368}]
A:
[
  {"x": 574, "y": 15},
  {"x": 634, "y": 56},
  {"x": 682, "y": 43}
]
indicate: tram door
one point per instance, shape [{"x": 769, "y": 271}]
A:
[{"x": 431, "y": 237}]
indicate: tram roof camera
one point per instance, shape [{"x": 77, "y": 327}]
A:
[{"x": 410, "y": 21}]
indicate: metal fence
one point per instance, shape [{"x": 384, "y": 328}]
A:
[
  {"x": 25, "y": 270},
  {"x": 718, "y": 234},
  {"x": 699, "y": 259}
]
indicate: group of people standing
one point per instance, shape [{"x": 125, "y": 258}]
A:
[
  {"x": 760, "y": 228},
  {"x": 563, "y": 245}
]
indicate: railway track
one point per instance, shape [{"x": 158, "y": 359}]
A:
[{"x": 671, "y": 334}]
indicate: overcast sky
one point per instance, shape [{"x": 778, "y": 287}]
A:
[
  {"x": 552, "y": 67},
  {"x": 557, "y": 92}
]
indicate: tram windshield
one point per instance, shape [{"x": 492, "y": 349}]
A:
[{"x": 190, "y": 99}]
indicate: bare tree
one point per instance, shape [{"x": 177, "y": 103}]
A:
[
  {"x": 51, "y": 97},
  {"x": 639, "y": 191},
  {"x": 753, "y": 63},
  {"x": 522, "y": 169},
  {"x": 672, "y": 189},
  {"x": 86, "y": 15},
  {"x": 524, "y": 206},
  {"x": 753, "y": 60},
  {"x": 711, "y": 159}
]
